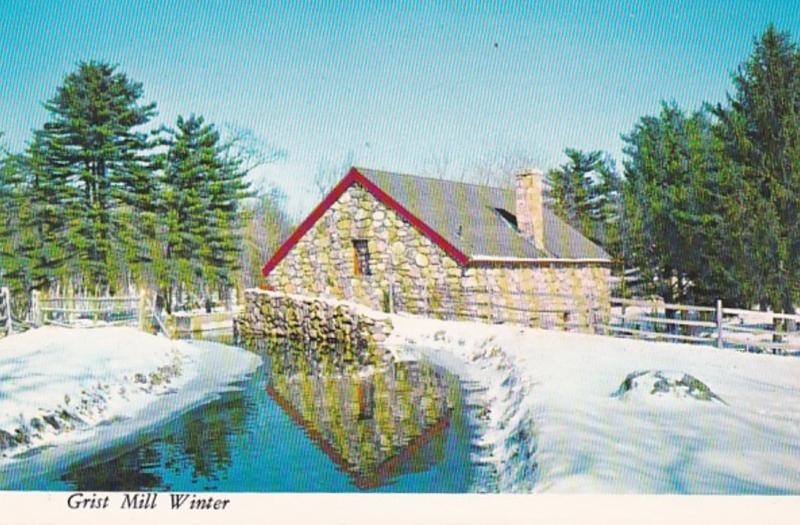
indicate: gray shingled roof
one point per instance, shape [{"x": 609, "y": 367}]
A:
[{"x": 479, "y": 220}]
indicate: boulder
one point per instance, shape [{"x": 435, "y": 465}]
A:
[{"x": 660, "y": 383}]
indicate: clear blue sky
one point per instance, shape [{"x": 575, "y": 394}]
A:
[{"x": 397, "y": 85}]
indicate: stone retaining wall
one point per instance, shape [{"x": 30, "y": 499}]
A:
[{"x": 345, "y": 331}]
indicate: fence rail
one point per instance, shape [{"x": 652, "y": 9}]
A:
[
  {"x": 135, "y": 310},
  {"x": 79, "y": 310},
  {"x": 715, "y": 325}
]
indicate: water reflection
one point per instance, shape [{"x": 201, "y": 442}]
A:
[
  {"x": 374, "y": 424},
  {"x": 197, "y": 446}
]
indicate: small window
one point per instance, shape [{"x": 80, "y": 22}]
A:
[
  {"x": 508, "y": 217},
  {"x": 361, "y": 257}
]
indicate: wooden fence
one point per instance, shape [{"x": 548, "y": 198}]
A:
[
  {"x": 722, "y": 327},
  {"x": 86, "y": 311},
  {"x": 83, "y": 311},
  {"x": 6, "y": 327},
  {"x": 651, "y": 319}
]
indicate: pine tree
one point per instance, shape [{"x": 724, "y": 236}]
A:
[
  {"x": 586, "y": 192},
  {"x": 677, "y": 208},
  {"x": 202, "y": 188},
  {"x": 49, "y": 220},
  {"x": 11, "y": 266},
  {"x": 225, "y": 196},
  {"x": 91, "y": 143},
  {"x": 760, "y": 126},
  {"x": 34, "y": 252}
]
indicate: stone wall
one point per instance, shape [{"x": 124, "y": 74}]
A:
[
  {"x": 346, "y": 332},
  {"x": 544, "y": 295},
  {"x": 425, "y": 280}
]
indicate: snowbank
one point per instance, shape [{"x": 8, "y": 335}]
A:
[
  {"x": 557, "y": 396},
  {"x": 61, "y": 385}
]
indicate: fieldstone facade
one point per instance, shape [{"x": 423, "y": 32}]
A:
[{"x": 408, "y": 272}]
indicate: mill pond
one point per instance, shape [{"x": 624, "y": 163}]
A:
[{"x": 297, "y": 424}]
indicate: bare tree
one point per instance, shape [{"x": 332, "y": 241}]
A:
[
  {"x": 329, "y": 173},
  {"x": 495, "y": 168},
  {"x": 498, "y": 168},
  {"x": 438, "y": 166},
  {"x": 252, "y": 150},
  {"x": 266, "y": 226}
]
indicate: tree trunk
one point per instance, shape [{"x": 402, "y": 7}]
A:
[
  {"x": 169, "y": 300},
  {"x": 788, "y": 308},
  {"x": 776, "y": 338}
]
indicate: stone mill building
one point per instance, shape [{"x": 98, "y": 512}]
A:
[{"x": 446, "y": 249}]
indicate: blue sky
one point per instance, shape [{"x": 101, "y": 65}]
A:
[{"x": 392, "y": 85}]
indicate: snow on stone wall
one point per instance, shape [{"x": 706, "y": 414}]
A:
[{"x": 347, "y": 332}]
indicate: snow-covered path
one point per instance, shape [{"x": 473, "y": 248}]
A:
[
  {"x": 585, "y": 439},
  {"x": 60, "y": 385}
]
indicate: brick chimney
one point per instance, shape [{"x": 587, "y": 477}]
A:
[{"x": 530, "y": 199}]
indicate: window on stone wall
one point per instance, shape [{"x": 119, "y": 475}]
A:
[{"x": 361, "y": 257}]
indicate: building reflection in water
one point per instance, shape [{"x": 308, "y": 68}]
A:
[{"x": 372, "y": 422}]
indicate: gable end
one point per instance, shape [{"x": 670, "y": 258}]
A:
[{"x": 354, "y": 177}]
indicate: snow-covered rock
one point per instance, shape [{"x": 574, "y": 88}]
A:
[{"x": 679, "y": 385}]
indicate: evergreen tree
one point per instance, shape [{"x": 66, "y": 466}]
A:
[
  {"x": 587, "y": 193},
  {"x": 677, "y": 210},
  {"x": 49, "y": 220},
  {"x": 33, "y": 251},
  {"x": 189, "y": 158},
  {"x": 11, "y": 267},
  {"x": 202, "y": 186},
  {"x": 760, "y": 127},
  {"x": 227, "y": 188},
  {"x": 88, "y": 204},
  {"x": 91, "y": 143}
]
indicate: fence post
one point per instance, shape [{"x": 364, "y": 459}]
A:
[
  {"x": 719, "y": 324},
  {"x": 36, "y": 314},
  {"x": 6, "y": 293},
  {"x": 142, "y": 313}
]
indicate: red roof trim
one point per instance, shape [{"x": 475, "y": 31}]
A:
[
  {"x": 306, "y": 225},
  {"x": 353, "y": 177}
]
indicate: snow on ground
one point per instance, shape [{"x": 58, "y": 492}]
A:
[
  {"x": 702, "y": 420},
  {"x": 60, "y": 385}
]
